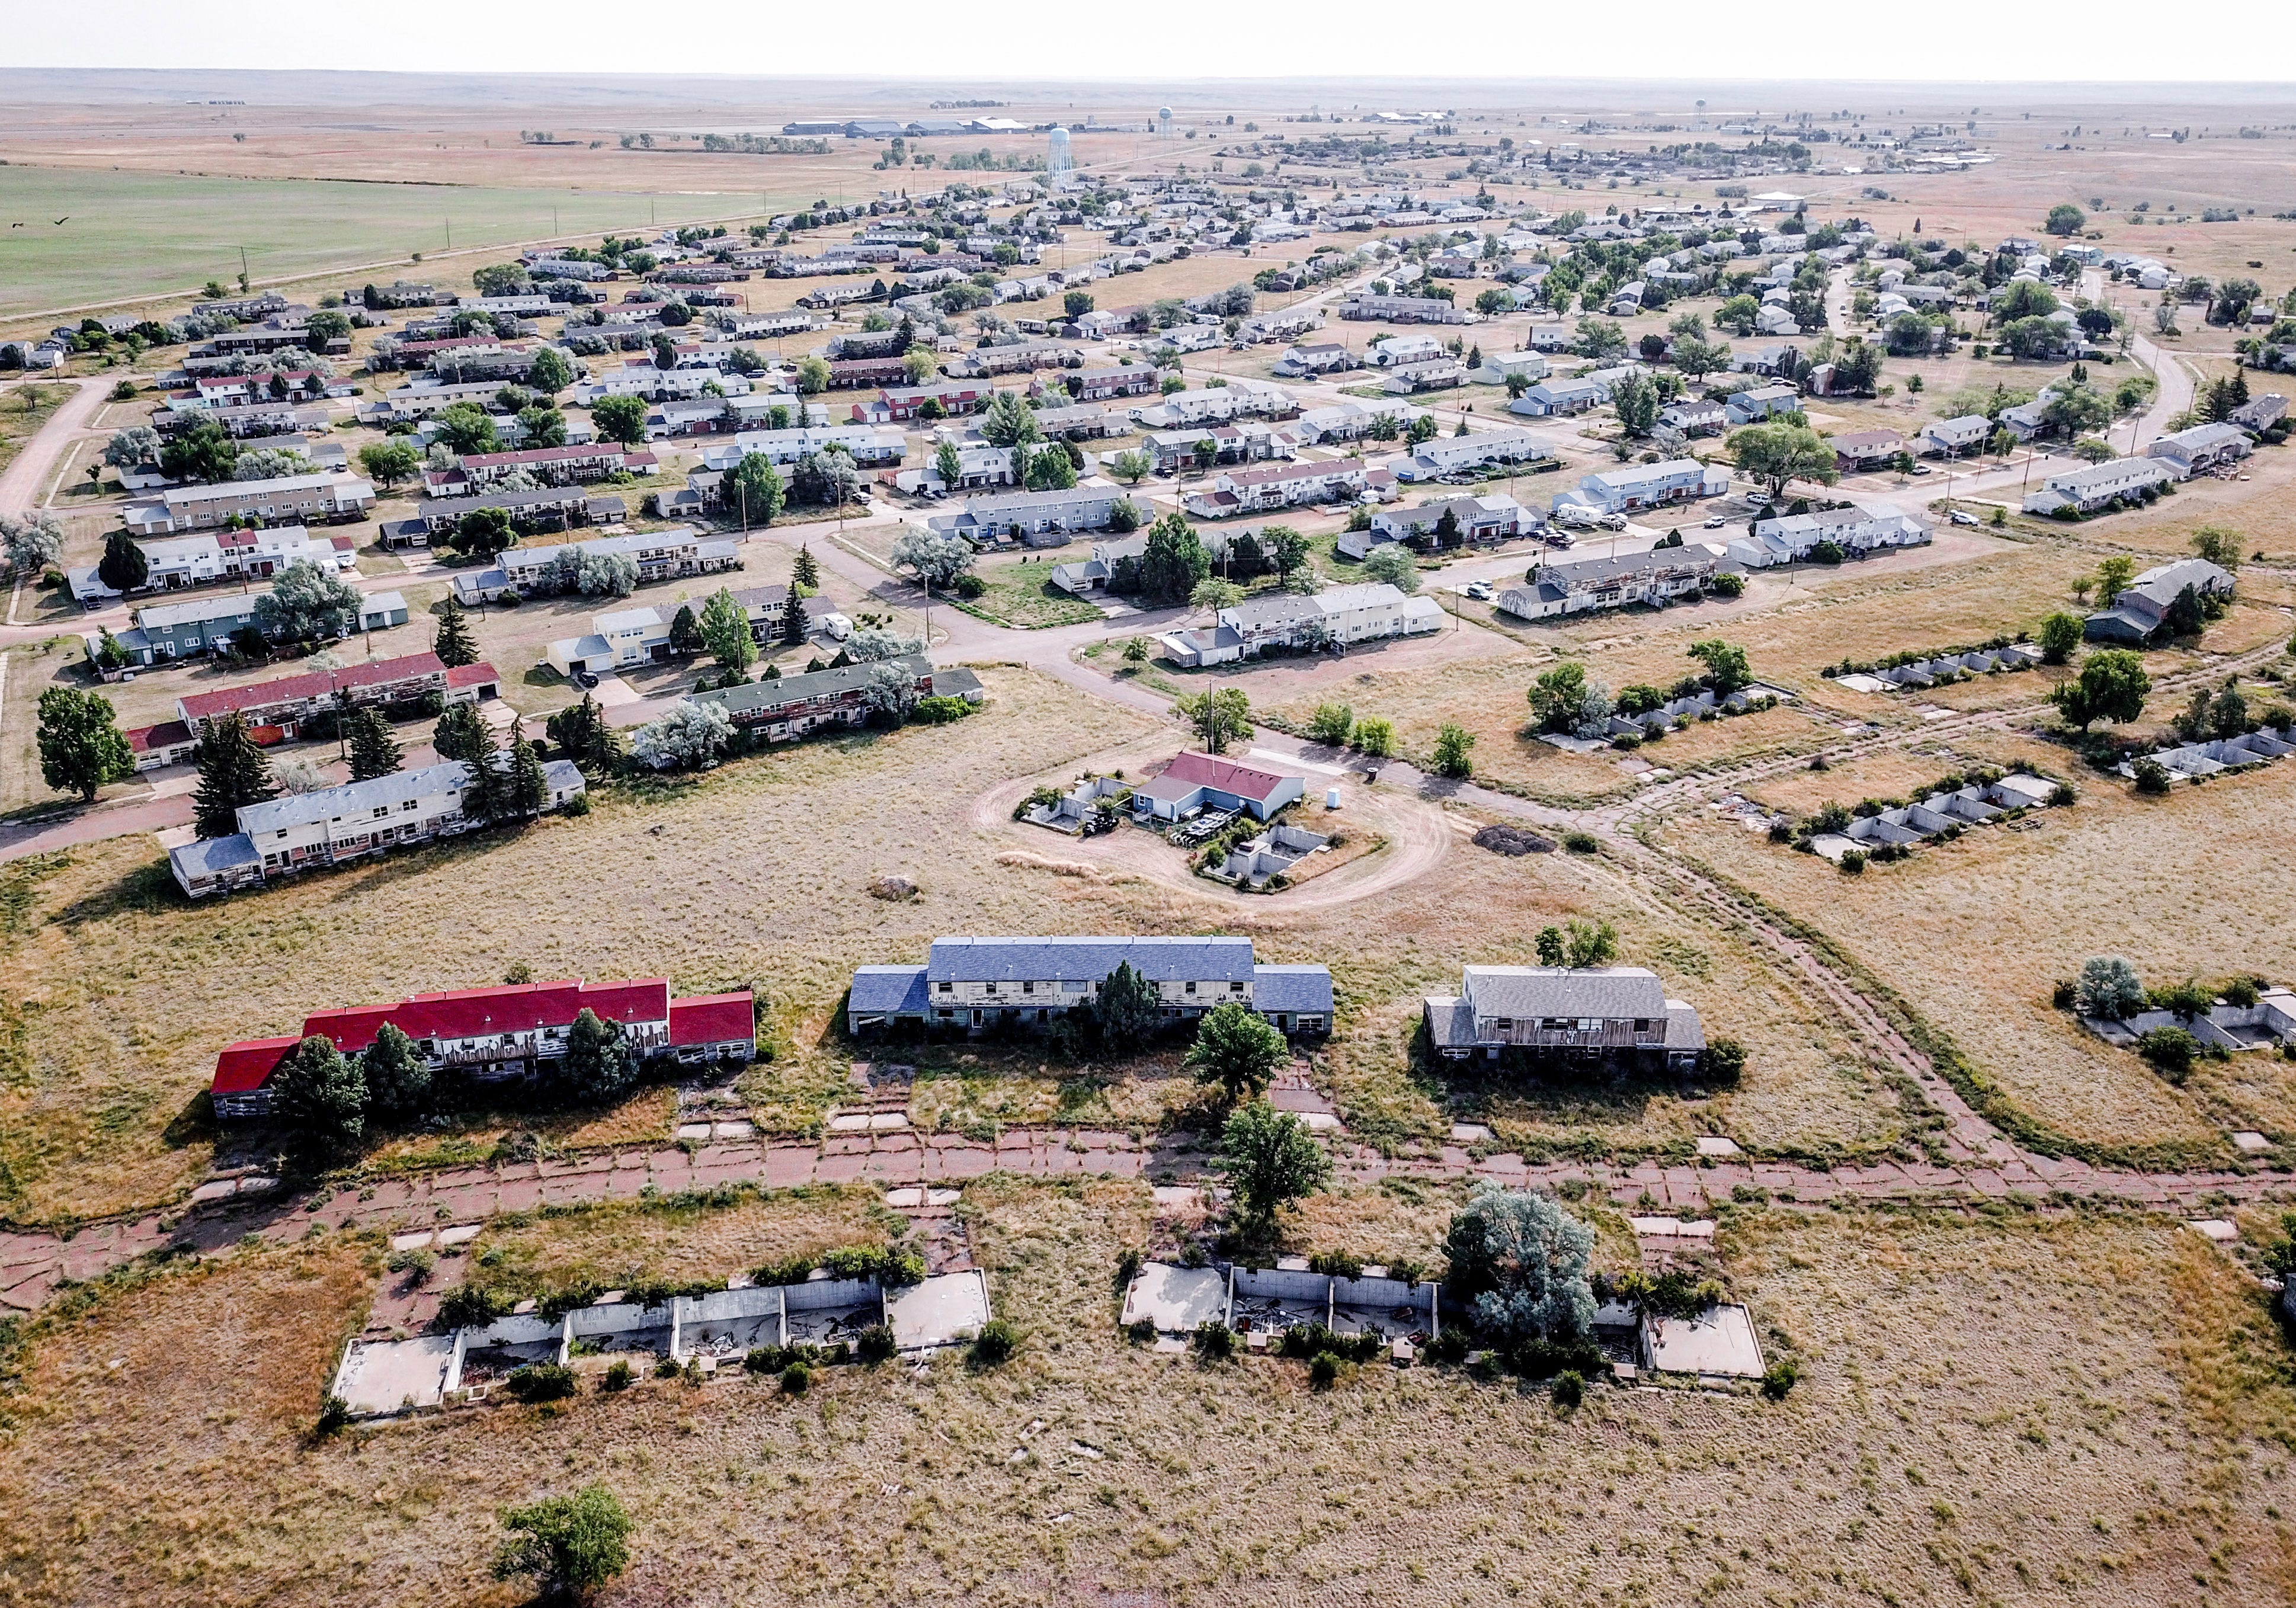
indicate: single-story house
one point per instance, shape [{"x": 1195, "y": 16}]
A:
[
  {"x": 1473, "y": 519},
  {"x": 1638, "y": 486},
  {"x": 1194, "y": 781}
]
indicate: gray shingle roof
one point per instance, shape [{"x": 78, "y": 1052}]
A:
[
  {"x": 805, "y": 686},
  {"x": 884, "y": 990},
  {"x": 1298, "y": 989},
  {"x": 1090, "y": 959},
  {"x": 211, "y": 856},
  {"x": 1607, "y": 992}
]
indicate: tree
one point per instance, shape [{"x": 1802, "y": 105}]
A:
[
  {"x": 1391, "y": 562},
  {"x": 2110, "y": 987},
  {"x": 1213, "y": 594},
  {"x": 1331, "y": 724},
  {"x": 549, "y": 372},
  {"x": 28, "y": 545},
  {"x": 692, "y": 736},
  {"x": 2113, "y": 575},
  {"x": 1592, "y": 943},
  {"x": 452, "y": 642},
  {"x": 1219, "y": 715},
  {"x": 397, "y": 1076},
  {"x": 460, "y": 734},
  {"x": 203, "y": 452},
  {"x": 129, "y": 449},
  {"x": 1127, "y": 1009},
  {"x": 1727, "y": 669},
  {"x": 388, "y": 462},
  {"x": 804, "y": 571},
  {"x": 921, "y": 363},
  {"x": 598, "y": 1068},
  {"x": 823, "y": 478},
  {"x": 541, "y": 426},
  {"x": 2065, "y": 220},
  {"x": 570, "y": 1545},
  {"x": 1552, "y": 950},
  {"x": 794, "y": 624},
  {"x": 1737, "y": 315},
  {"x": 320, "y": 1097},
  {"x": 1172, "y": 562},
  {"x": 1775, "y": 454},
  {"x": 307, "y": 604},
  {"x": 373, "y": 748},
  {"x": 619, "y": 419},
  {"x": 949, "y": 464},
  {"x": 525, "y": 787},
  {"x": 1076, "y": 304},
  {"x": 1600, "y": 338},
  {"x": 1008, "y": 421},
  {"x": 606, "y": 575},
  {"x": 1521, "y": 1261},
  {"x": 465, "y": 428},
  {"x": 889, "y": 695},
  {"x": 581, "y": 732},
  {"x": 2112, "y": 686},
  {"x": 755, "y": 486},
  {"x": 81, "y": 745},
  {"x": 1453, "y": 751},
  {"x": 1051, "y": 470},
  {"x": 1287, "y": 549},
  {"x": 1558, "y": 695},
  {"x": 2219, "y": 547},
  {"x": 1374, "y": 736},
  {"x": 1131, "y": 466},
  {"x": 482, "y": 534},
  {"x": 935, "y": 560},
  {"x": 233, "y": 774},
  {"x": 124, "y": 568},
  {"x": 2060, "y": 635},
  {"x": 813, "y": 376},
  {"x": 1696, "y": 357},
  {"x": 1634, "y": 399},
  {"x": 1271, "y": 1161}
]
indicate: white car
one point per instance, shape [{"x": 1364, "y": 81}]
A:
[
  {"x": 1480, "y": 590},
  {"x": 1716, "y": 523},
  {"x": 1962, "y": 517}
]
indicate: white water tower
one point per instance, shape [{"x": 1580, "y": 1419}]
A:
[
  {"x": 1163, "y": 122},
  {"x": 1060, "y": 166}
]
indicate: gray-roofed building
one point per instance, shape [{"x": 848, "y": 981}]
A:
[
  {"x": 1656, "y": 576},
  {"x": 970, "y": 983},
  {"x": 2139, "y": 610},
  {"x": 2099, "y": 486},
  {"x": 791, "y": 706},
  {"x": 1610, "y": 1014},
  {"x": 2202, "y": 446}
]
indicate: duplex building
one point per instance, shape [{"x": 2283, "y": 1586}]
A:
[
  {"x": 1656, "y": 578},
  {"x": 1862, "y": 528},
  {"x": 1440, "y": 456},
  {"x": 329, "y": 825},
  {"x": 1760, "y": 402},
  {"x": 1694, "y": 417},
  {"x": 1857, "y": 449},
  {"x": 2138, "y": 611},
  {"x": 1549, "y": 397},
  {"x": 1335, "y": 618},
  {"x": 1471, "y": 519},
  {"x": 783, "y": 710},
  {"x": 895, "y": 403},
  {"x": 1617, "y": 1015},
  {"x": 1950, "y": 437},
  {"x": 2093, "y": 486},
  {"x": 1285, "y": 485},
  {"x": 1634, "y": 486},
  {"x": 2202, "y": 446},
  {"x": 495, "y": 1034},
  {"x": 1401, "y": 309},
  {"x": 674, "y": 554},
  {"x": 970, "y": 983},
  {"x": 297, "y": 498},
  {"x": 1029, "y": 517}
]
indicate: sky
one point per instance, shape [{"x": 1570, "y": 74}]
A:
[{"x": 1778, "y": 42}]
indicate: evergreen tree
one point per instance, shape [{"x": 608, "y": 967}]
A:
[
  {"x": 486, "y": 793},
  {"x": 582, "y": 732},
  {"x": 1128, "y": 1009},
  {"x": 320, "y": 1097},
  {"x": 462, "y": 733},
  {"x": 123, "y": 566},
  {"x": 1173, "y": 561},
  {"x": 374, "y": 749},
  {"x": 805, "y": 572},
  {"x": 793, "y": 620},
  {"x": 397, "y": 1076},
  {"x": 686, "y": 638},
  {"x": 599, "y": 1066},
  {"x": 81, "y": 748},
  {"x": 233, "y": 773},
  {"x": 453, "y": 644},
  {"x": 525, "y": 789}
]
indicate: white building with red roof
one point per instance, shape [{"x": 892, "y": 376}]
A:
[
  {"x": 1194, "y": 781},
  {"x": 494, "y": 1034}
]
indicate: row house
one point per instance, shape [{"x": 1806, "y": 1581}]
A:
[
  {"x": 178, "y": 563},
  {"x": 837, "y": 295},
  {"x": 264, "y": 416},
  {"x": 1472, "y": 519},
  {"x": 2137, "y": 613},
  {"x": 1617, "y": 1015},
  {"x": 897, "y": 403},
  {"x": 860, "y": 373},
  {"x": 1020, "y": 358},
  {"x": 285, "y": 703},
  {"x": 1550, "y": 398},
  {"x": 1655, "y": 578},
  {"x": 968, "y": 984},
  {"x": 869, "y": 445},
  {"x": 1857, "y": 449},
  {"x": 2202, "y": 446},
  {"x": 978, "y": 468},
  {"x": 544, "y": 508},
  {"x": 1102, "y": 384},
  {"x": 2094, "y": 486},
  {"x": 1401, "y": 309},
  {"x": 785, "y": 709},
  {"x": 496, "y": 1034},
  {"x": 163, "y": 632},
  {"x": 1862, "y": 528},
  {"x": 1339, "y": 617},
  {"x": 1172, "y": 450},
  {"x": 1285, "y": 323},
  {"x": 420, "y": 398},
  {"x": 1084, "y": 421},
  {"x": 330, "y": 826},
  {"x": 1439, "y": 456},
  {"x": 675, "y": 553},
  {"x": 1281, "y": 486},
  {"x": 626, "y": 638},
  {"x": 1634, "y": 486},
  {"x": 755, "y": 326},
  {"x": 297, "y": 498},
  {"x": 550, "y": 465},
  {"x": 215, "y": 389},
  {"x": 1032, "y": 518},
  {"x": 1325, "y": 357}
]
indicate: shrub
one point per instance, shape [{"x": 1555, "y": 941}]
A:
[
  {"x": 466, "y": 1306},
  {"x": 1569, "y": 1389},
  {"x": 1448, "y": 1347},
  {"x": 1141, "y": 1331},
  {"x": 2242, "y": 992},
  {"x": 334, "y": 1416},
  {"x": 1853, "y": 862},
  {"x": 541, "y": 1381},
  {"x": 1336, "y": 1264},
  {"x": 2151, "y": 776},
  {"x": 2065, "y": 995},
  {"x": 2171, "y": 1050},
  {"x": 995, "y": 1343},
  {"x": 665, "y": 1369},
  {"x": 1780, "y": 1377},
  {"x": 1128, "y": 1268},
  {"x": 1725, "y": 1060},
  {"x": 797, "y": 1379},
  {"x": 1582, "y": 843},
  {"x": 618, "y": 1377},
  {"x": 874, "y": 1344},
  {"x": 1324, "y": 1371},
  {"x": 1214, "y": 1340}
]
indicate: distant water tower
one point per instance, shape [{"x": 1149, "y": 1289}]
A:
[
  {"x": 1163, "y": 122},
  {"x": 1060, "y": 167}
]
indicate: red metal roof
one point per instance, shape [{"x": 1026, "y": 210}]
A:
[
  {"x": 167, "y": 734},
  {"x": 472, "y": 675},
  {"x": 249, "y": 1065},
  {"x": 1208, "y": 770},
  {"x": 712, "y": 1019},
  {"x": 312, "y": 684}
]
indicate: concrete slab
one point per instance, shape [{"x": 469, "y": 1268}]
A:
[
  {"x": 1719, "y": 1342},
  {"x": 2250, "y": 1141},
  {"x": 739, "y": 1128},
  {"x": 410, "y": 1241},
  {"x": 1715, "y": 1145},
  {"x": 390, "y": 1375},
  {"x": 939, "y": 1312},
  {"x": 693, "y": 1130},
  {"x": 904, "y": 1199},
  {"x": 1176, "y": 1197},
  {"x": 461, "y": 1234},
  {"x": 943, "y": 1197},
  {"x": 1321, "y": 1123},
  {"x": 1176, "y": 1300},
  {"x": 1471, "y": 1133},
  {"x": 1672, "y": 1228},
  {"x": 2215, "y": 1229}
]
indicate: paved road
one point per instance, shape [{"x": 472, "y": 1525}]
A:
[{"x": 24, "y": 483}]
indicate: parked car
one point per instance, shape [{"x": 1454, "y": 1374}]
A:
[
  {"x": 583, "y": 679},
  {"x": 1924, "y": 469},
  {"x": 1716, "y": 523},
  {"x": 1960, "y": 516},
  {"x": 1480, "y": 590}
]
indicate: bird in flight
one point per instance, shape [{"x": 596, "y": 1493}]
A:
[{"x": 63, "y": 220}]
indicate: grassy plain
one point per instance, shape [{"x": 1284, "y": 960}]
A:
[{"x": 2085, "y": 1411}]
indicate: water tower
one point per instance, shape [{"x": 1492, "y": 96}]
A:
[
  {"x": 1060, "y": 166},
  {"x": 1163, "y": 122}
]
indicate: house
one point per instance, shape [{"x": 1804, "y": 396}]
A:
[
  {"x": 1857, "y": 449},
  {"x": 2098, "y": 486},
  {"x": 1324, "y": 357},
  {"x": 869, "y": 445},
  {"x": 977, "y": 467},
  {"x": 1552, "y": 397},
  {"x": 674, "y": 553},
  {"x": 298, "y": 498},
  {"x": 1752, "y": 406},
  {"x": 2202, "y": 446},
  {"x": 156, "y": 747},
  {"x": 286, "y": 702},
  {"x": 1694, "y": 417},
  {"x": 1599, "y": 1014},
  {"x": 1194, "y": 781},
  {"x": 1102, "y": 384},
  {"x": 1335, "y": 618},
  {"x": 2137, "y": 612},
  {"x": 494, "y": 1034},
  {"x": 1774, "y": 319},
  {"x": 1022, "y": 357},
  {"x": 1401, "y": 309},
  {"x": 163, "y": 632},
  {"x": 1399, "y": 349},
  {"x": 1351, "y": 420},
  {"x": 548, "y": 508},
  {"x": 783, "y": 710},
  {"x": 1638, "y": 486},
  {"x": 1473, "y": 519},
  {"x": 1656, "y": 578},
  {"x": 550, "y": 465},
  {"x": 895, "y": 403},
  {"x": 1862, "y": 528},
  {"x": 1280, "y": 486},
  {"x": 1434, "y": 373},
  {"x": 1443, "y": 456},
  {"x": 1950, "y": 437},
  {"x": 1023, "y": 515},
  {"x": 1499, "y": 367},
  {"x": 329, "y": 825},
  {"x": 2260, "y": 414},
  {"x": 972, "y": 983}
]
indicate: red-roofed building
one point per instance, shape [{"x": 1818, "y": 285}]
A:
[
  {"x": 293, "y": 698},
  {"x": 516, "y": 1030},
  {"x": 170, "y": 743},
  {"x": 1194, "y": 781},
  {"x": 466, "y": 682}
]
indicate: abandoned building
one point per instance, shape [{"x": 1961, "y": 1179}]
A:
[{"x": 1612, "y": 1014}]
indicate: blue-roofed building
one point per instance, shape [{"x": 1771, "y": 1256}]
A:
[{"x": 972, "y": 983}]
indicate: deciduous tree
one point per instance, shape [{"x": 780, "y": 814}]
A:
[
  {"x": 81, "y": 745},
  {"x": 1271, "y": 1161}
]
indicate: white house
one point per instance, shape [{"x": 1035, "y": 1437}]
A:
[
  {"x": 1552, "y": 397},
  {"x": 2202, "y": 446},
  {"x": 1636, "y": 486},
  {"x": 1866, "y": 527},
  {"x": 1444, "y": 454},
  {"x": 295, "y": 498},
  {"x": 2096, "y": 486},
  {"x": 1953, "y": 437},
  {"x": 1656, "y": 576},
  {"x": 1338, "y": 617},
  {"x": 1475, "y": 519}
]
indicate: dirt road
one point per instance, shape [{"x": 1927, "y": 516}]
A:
[{"x": 23, "y": 484}]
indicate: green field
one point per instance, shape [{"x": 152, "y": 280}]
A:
[{"x": 134, "y": 234}]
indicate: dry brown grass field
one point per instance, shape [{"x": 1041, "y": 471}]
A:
[
  {"x": 2018, "y": 1411},
  {"x": 1973, "y": 933}
]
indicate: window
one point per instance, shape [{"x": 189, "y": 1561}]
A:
[
  {"x": 1641, "y": 1025},
  {"x": 988, "y": 988},
  {"x": 1192, "y": 987},
  {"x": 1027, "y": 987},
  {"x": 1503, "y": 1024}
]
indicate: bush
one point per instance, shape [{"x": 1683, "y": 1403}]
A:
[
  {"x": 970, "y": 587},
  {"x": 1780, "y": 1377},
  {"x": 1853, "y": 862},
  {"x": 797, "y": 1379},
  {"x": 1336, "y": 1264},
  {"x": 1448, "y": 1347},
  {"x": 1569, "y": 1389},
  {"x": 1582, "y": 843},
  {"x": 1141, "y": 1331},
  {"x": 1214, "y": 1340},
  {"x": 1324, "y": 1371},
  {"x": 618, "y": 1377},
  {"x": 334, "y": 1416},
  {"x": 940, "y": 711},
  {"x": 995, "y": 1343},
  {"x": 874, "y": 1344},
  {"x": 1725, "y": 1060},
  {"x": 1128, "y": 1268},
  {"x": 2065, "y": 995},
  {"x": 541, "y": 1381},
  {"x": 665, "y": 1369},
  {"x": 2151, "y": 776},
  {"x": 2171, "y": 1050},
  {"x": 466, "y": 1306}
]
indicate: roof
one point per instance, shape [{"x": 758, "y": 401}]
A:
[
  {"x": 167, "y": 734},
  {"x": 885, "y": 989},
  {"x": 1089, "y": 959},
  {"x": 508, "y": 1008},
  {"x": 199, "y": 611},
  {"x": 211, "y": 856},
  {"x": 248, "y": 1064},
  {"x": 353, "y": 798},
  {"x": 2163, "y": 583},
  {"x": 472, "y": 674},
  {"x": 805, "y": 686},
  {"x": 1861, "y": 440},
  {"x": 1609, "y": 992},
  {"x": 310, "y": 684},
  {"x": 712, "y": 1019},
  {"x": 1190, "y": 770},
  {"x": 1295, "y": 988},
  {"x": 959, "y": 682}
]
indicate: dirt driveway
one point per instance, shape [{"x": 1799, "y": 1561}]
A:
[{"x": 1417, "y": 835}]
